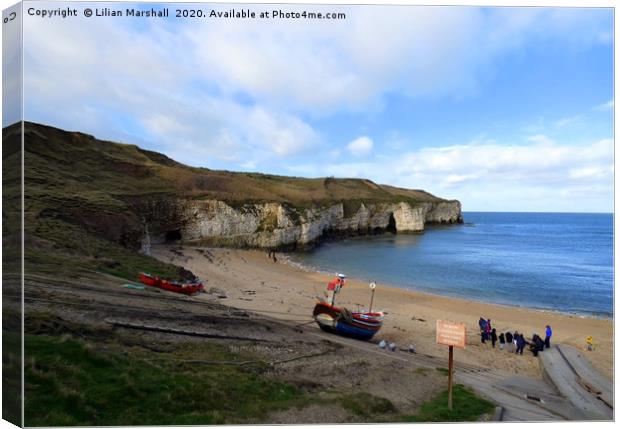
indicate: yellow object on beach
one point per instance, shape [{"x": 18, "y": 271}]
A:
[{"x": 589, "y": 343}]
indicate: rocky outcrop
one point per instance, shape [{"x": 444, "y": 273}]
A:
[{"x": 276, "y": 225}]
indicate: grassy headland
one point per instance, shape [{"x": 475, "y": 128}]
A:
[{"x": 83, "y": 197}]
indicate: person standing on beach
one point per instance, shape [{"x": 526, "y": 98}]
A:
[
  {"x": 483, "y": 329},
  {"x": 487, "y": 329},
  {"x": 509, "y": 343},
  {"x": 493, "y": 337},
  {"x": 502, "y": 341},
  {"x": 521, "y": 343},
  {"x": 548, "y": 333},
  {"x": 515, "y": 339}
]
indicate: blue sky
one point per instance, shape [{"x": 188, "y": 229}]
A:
[{"x": 505, "y": 109}]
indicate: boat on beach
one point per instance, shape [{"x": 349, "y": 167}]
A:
[
  {"x": 358, "y": 324},
  {"x": 170, "y": 285},
  {"x": 340, "y": 320}
]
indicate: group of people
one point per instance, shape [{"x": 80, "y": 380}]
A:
[{"x": 513, "y": 342}]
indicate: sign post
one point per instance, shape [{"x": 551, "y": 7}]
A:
[
  {"x": 452, "y": 335},
  {"x": 450, "y": 372}
]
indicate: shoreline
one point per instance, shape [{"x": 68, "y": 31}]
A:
[
  {"x": 313, "y": 270},
  {"x": 249, "y": 280}
]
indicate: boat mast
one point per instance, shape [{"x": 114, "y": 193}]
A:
[{"x": 373, "y": 285}]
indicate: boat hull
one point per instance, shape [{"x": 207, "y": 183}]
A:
[
  {"x": 338, "y": 320},
  {"x": 184, "y": 288}
]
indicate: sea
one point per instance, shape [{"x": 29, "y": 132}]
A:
[{"x": 555, "y": 261}]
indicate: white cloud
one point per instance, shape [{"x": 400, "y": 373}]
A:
[
  {"x": 487, "y": 176},
  {"x": 543, "y": 162},
  {"x": 314, "y": 67},
  {"x": 148, "y": 93},
  {"x": 540, "y": 138},
  {"x": 569, "y": 120},
  {"x": 609, "y": 105},
  {"x": 361, "y": 146}
]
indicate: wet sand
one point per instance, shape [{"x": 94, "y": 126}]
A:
[{"x": 248, "y": 279}]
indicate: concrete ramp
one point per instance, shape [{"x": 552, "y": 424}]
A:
[
  {"x": 539, "y": 393},
  {"x": 522, "y": 398},
  {"x": 584, "y": 393},
  {"x": 590, "y": 379}
]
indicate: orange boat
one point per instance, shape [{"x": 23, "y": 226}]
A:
[{"x": 172, "y": 286}]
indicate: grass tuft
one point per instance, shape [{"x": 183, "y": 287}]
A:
[{"x": 466, "y": 406}]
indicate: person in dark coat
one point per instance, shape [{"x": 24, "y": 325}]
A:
[
  {"x": 537, "y": 345},
  {"x": 493, "y": 337},
  {"x": 502, "y": 341},
  {"x": 521, "y": 343},
  {"x": 509, "y": 343},
  {"x": 548, "y": 333},
  {"x": 483, "y": 329},
  {"x": 540, "y": 344}
]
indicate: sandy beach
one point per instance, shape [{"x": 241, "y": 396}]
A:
[{"x": 248, "y": 279}]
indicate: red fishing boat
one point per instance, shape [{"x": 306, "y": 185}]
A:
[
  {"x": 361, "y": 324},
  {"x": 172, "y": 286},
  {"x": 149, "y": 280}
]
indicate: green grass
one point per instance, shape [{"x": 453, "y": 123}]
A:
[
  {"x": 466, "y": 407},
  {"x": 11, "y": 375},
  {"x": 366, "y": 405},
  {"x": 70, "y": 383}
]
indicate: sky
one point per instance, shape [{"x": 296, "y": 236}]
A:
[{"x": 504, "y": 109}]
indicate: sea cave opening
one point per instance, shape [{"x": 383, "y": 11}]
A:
[
  {"x": 173, "y": 235},
  {"x": 391, "y": 226}
]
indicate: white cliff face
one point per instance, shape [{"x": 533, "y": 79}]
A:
[
  {"x": 410, "y": 219},
  {"x": 273, "y": 225},
  {"x": 444, "y": 212}
]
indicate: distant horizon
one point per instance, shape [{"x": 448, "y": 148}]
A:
[{"x": 540, "y": 212}]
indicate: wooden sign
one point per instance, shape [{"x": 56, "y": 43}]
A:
[{"x": 451, "y": 334}]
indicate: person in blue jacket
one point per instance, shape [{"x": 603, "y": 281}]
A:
[
  {"x": 548, "y": 333},
  {"x": 483, "y": 331},
  {"x": 521, "y": 343}
]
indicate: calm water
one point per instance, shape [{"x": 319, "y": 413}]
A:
[{"x": 556, "y": 261}]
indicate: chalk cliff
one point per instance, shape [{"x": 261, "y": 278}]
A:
[{"x": 278, "y": 225}]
